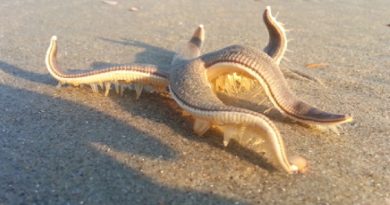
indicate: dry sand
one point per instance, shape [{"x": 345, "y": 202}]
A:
[{"x": 71, "y": 146}]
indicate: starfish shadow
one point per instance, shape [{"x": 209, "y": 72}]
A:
[
  {"x": 151, "y": 54},
  {"x": 24, "y": 74},
  {"x": 55, "y": 162}
]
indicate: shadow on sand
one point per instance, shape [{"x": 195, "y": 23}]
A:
[{"x": 46, "y": 154}]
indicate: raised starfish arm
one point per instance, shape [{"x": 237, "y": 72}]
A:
[
  {"x": 260, "y": 67},
  {"x": 192, "y": 48},
  {"x": 190, "y": 88},
  {"x": 121, "y": 76},
  {"x": 277, "y": 44}
]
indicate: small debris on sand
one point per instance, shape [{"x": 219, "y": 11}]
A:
[
  {"x": 133, "y": 8},
  {"x": 112, "y": 3},
  {"x": 316, "y": 65}
]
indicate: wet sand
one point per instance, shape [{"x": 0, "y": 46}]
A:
[{"x": 72, "y": 146}]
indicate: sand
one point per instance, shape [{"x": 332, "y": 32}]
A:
[{"x": 72, "y": 146}]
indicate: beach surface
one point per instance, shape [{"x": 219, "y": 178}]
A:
[{"x": 73, "y": 146}]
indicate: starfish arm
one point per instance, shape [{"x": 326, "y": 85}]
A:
[
  {"x": 190, "y": 88},
  {"x": 120, "y": 76},
  {"x": 258, "y": 66},
  {"x": 277, "y": 44},
  {"x": 192, "y": 48}
]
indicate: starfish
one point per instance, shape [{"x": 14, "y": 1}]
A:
[{"x": 192, "y": 81}]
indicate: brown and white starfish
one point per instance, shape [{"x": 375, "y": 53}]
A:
[{"x": 191, "y": 82}]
